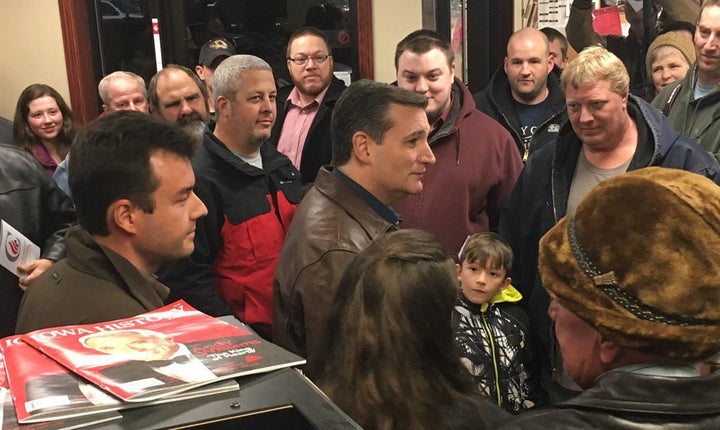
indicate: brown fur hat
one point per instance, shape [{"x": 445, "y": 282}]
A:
[{"x": 640, "y": 262}]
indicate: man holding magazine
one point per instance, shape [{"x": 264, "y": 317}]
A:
[{"x": 132, "y": 181}]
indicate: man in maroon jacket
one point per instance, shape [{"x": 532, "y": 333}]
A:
[{"x": 477, "y": 159}]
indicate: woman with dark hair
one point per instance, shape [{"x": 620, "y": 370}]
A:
[
  {"x": 43, "y": 125},
  {"x": 393, "y": 363}
]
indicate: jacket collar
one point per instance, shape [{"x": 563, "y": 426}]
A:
[
  {"x": 338, "y": 191},
  {"x": 385, "y": 211},
  {"x": 270, "y": 157},
  {"x": 86, "y": 255},
  {"x": 508, "y": 295},
  {"x": 625, "y": 391},
  {"x": 500, "y": 95},
  {"x": 335, "y": 89}
]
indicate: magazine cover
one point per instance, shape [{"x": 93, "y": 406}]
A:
[
  {"x": 43, "y": 390},
  {"x": 9, "y": 419},
  {"x": 155, "y": 354},
  {"x": 10, "y": 422}
]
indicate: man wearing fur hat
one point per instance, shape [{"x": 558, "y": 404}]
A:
[
  {"x": 608, "y": 133},
  {"x": 634, "y": 278}
]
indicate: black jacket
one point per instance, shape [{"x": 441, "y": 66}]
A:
[
  {"x": 624, "y": 400},
  {"x": 318, "y": 144},
  {"x": 494, "y": 346},
  {"x": 496, "y": 100},
  {"x": 540, "y": 197},
  {"x": 32, "y": 203}
]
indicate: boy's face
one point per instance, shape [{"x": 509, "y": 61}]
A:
[{"x": 480, "y": 282}]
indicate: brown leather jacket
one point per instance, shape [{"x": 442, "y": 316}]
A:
[{"x": 331, "y": 225}]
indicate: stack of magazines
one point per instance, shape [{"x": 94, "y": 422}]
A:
[{"x": 74, "y": 376}]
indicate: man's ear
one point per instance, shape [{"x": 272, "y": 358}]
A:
[
  {"x": 222, "y": 105},
  {"x": 609, "y": 350},
  {"x": 361, "y": 143},
  {"x": 551, "y": 63},
  {"x": 123, "y": 215},
  {"x": 625, "y": 96},
  {"x": 105, "y": 108},
  {"x": 505, "y": 65},
  {"x": 199, "y": 71}
]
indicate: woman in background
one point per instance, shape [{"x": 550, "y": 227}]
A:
[
  {"x": 668, "y": 59},
  {"x": 392, "y": 360},
  {"x": 43, "y": 125}
]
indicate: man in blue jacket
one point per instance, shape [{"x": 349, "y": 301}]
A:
[{"x": 609, "y": 132}]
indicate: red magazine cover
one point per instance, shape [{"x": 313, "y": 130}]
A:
[
  {"x": 3, "y": 375},
  {"x": 159, "y": 353},
  {"x": 36, "y": 371},
  {"x": 42, "y": 390}
]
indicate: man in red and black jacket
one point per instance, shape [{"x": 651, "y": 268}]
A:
[{"x": 251, "y": 192}]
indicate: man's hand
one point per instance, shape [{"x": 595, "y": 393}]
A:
[{"x": 29, "y": 272}]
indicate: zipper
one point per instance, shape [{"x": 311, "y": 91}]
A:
[
  {"x": 492, "y": 351},
  {"x": 517, "y": 135},
  {"x": 552, "y": 194},
  {"x": 526, "y": 153},
  {"x": 276, "y": 206}
]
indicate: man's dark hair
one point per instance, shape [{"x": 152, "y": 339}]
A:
[
  {"x": 553, "y": 35},
  {"x": 678, "y": 26},
  {"x": 325, "y": 16},
  {"x": 110, "y": 160},
  {"x": 422, "y": 41},
  {"x": 365, "y": 106},
  {"x": 307, "y": 31},
  {"x": 152, "y": 87}
]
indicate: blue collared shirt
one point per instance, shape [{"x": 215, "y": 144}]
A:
[{"x": 384, "y": 211}]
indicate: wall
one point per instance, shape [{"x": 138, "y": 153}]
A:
[
  {"x": 392, "y": 20},
  {"x": 31, "y": 50}
]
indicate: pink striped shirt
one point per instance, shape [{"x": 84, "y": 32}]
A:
[{"x": 297, "y": 125}]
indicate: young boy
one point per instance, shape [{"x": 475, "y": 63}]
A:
[{"x": 491, "y": 329}]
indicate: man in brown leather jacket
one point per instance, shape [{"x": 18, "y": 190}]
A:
[
  {"x": 380, "y": 153},
  {"x": 635, "y": 280}
]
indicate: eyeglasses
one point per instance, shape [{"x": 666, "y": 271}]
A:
[{"x": 302, "y": 60}]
